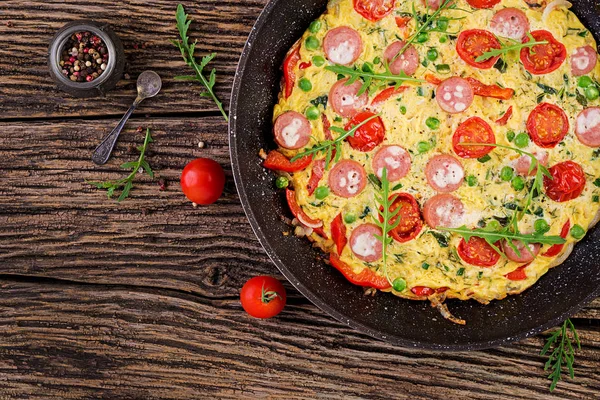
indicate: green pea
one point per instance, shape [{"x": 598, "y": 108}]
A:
[
  {"x": 423, "y": 147},
  {"x": 422, "y": 37},
  {"x": 432, "y": 123},
  {"x": 584, "y": 81},
  {"x": 442, "y": 23},
  {"x": 443, "y": 39},
  {"x": 471, "y": 180},
  {"x": 321, "y": 192},
  {"x": 318, "y": 61},
  {"x": 518, "y": 183},
  {"x": 432, "y": 54},
  {"x": 521, "y": 140},
  {"x": 349, "y": 218},
  {"x": 510, "y": 135},
  {"x": 312, "y": 113},
  {"x": 399, "y": 284},
  {"x": 506, "y": 174},
  {"x": 282, "y": 182},
  {"x": 305, "y": 85},
  {"x": 376, "y": 60},
  {"x": 577, "y": 231},
  {"x": 592, "y": 93},
  {"x": 493, "y": 225},
  {"x": 368, "y": 68},
  {"x": 311, "y": 43},
  {"x": 315, "y": 26},
  {"x": 402, "y": 110},
  {"x": 541, "y": 226}
]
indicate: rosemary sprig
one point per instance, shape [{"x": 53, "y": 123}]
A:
[
  {"x": 368, "y": 77},
  {"x": 505, "y": 49},
  {"x": 187, "y": 51},
  {"x": 327, "y": 146},
  {"x": 385, "y": 202},
  {"x": 563, "y": 352},
  {"x": 126, "y": 184}
]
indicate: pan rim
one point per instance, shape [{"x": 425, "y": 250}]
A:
[{"x": 311, "y": 295}]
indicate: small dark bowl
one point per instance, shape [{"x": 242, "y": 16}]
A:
[
  {"x": 114, "y": 69},
  {"x": 556, "y": 296}
]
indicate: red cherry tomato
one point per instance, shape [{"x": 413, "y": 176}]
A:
[
  {"x": 473, "y": 130},
  {"x": 263, "y": 297},
  {"x": 374, "y": 10},
  {"x": 290, "y": 62},
  {"x": 473, "y": 43},
  {"x": 547, "y": 125},
  {"x": 478, "y": 252},
  {"x": 567, "y": 183},
  {"x": 543, "y": 58},
  {"x": 483, "y": 3},
  {"x": 368, "y": 136},
  {"x": 366, "y": 277},
  {"x": 411, "y": 222},
  {"x": 202, "y": 181}
]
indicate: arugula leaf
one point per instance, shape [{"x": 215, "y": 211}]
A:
[
  {"x": 368, "y": 78},
  {"x": 187, "y": 52},
  {"x": 563, "y": 352},
  {"x": 506, "y": 48}
]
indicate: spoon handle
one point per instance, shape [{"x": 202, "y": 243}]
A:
[{"x": 105, "y": 148}]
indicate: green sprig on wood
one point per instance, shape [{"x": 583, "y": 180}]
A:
[
  {"x": 562, "y": 342},
  {"x": 126, "y": 184},
  {"x": 187, "y": 51}
]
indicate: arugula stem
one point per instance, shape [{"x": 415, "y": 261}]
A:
[{"x": 505, "y": 49}]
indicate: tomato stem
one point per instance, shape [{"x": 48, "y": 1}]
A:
[{"x": 268, "y": 296}]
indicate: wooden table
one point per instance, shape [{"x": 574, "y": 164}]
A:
[{"x": 140, "y": 299}]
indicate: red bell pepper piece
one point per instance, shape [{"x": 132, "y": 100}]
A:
[
  {"x": 386, "y": 94},
  {"x": 338, "y": 233},
  {"x": 504, "y": 119},
  {"x": 366, "y": 277},
  {"x": 494, "y": 91},
  {"x": 278, "y": 162},
  {"x": 518, "y": 274},
  {"x": 424, "y": 291},
  {"x": 290, "y": 62},
  {"x": 290, "y": 195},
  {"x": 556, "y": 248}
]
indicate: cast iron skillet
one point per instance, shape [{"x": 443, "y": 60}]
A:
[{"x": 557, "y": 295}]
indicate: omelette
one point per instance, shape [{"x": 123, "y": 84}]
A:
[{"x": 441, "y": 149}]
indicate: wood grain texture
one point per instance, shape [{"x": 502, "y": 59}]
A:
[
  {"x": 144, "y": 27},
  {"x": 73, "y": 341}
]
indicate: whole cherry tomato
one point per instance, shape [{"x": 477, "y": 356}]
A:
[
  {"x": 263, "y": 297},
  {"x": 202, "y": 181}
]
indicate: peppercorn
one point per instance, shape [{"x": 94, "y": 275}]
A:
[{"x": 84, "y": 57}]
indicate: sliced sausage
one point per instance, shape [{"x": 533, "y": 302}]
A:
[
  {"x": 292, "y": 130},
  {"x": 587, "y": 127},
  {"x": 347, "y": 178},
  {"x": 526, "y": 253},
  {"x": 407, "y": 62},
  {"x": 342, "y": 45},
  {"x": 344, "y": 99},
  {"x": 444, "y": 210},
  {"x": 394, "y": 159},
  {"x": 454, "y": 95},
  {"x": 510, "y": 23},
  {"x": 364, "y": 244},
  {"x": 583, "y": 60},
  {"x": 444, "y": 173},
  {"x": 523, "y": 163}
]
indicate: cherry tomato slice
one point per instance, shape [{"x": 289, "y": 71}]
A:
[
  {"x": 543, "y": 58},
  {"x": 557, "y": 248},
  {"x": 411, "y": 221},
  {"x": 478, "y": 252},
  {"x": 473, "y": 130},
  {"x": 473, "y": 43},
  {"x": 290, "y": 62},
  {"x": 518, "y": 274},
  {"x": 547, "y": 125},
  {"x": 338, "y": 233},
  {"x": 203, "y": 181},
  {"x": 374, "y": 10},
  {"x": 503, "y": 120},
  {"x": 366, "y": 277},
  {"x": 278, "y": 162},
  {"x": 483, "y": 3},
  {"x": 263, "y": 297},
  {"x": 368, "y": 136},
  {"x": 568, "y": 181}
]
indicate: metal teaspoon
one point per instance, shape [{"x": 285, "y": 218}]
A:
[{"x": 148, "y": 85}]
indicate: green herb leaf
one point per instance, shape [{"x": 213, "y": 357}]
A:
[
  {"x": 441, "y": 237},
  {"x": 368, "y": 77},
  {"x": 563, "y": 343},
  {"x": 507, "y": 48}
]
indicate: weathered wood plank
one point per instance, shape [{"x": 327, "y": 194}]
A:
[
  {"x": 73, "y": 341},
  {"x": 145, "y": 28}
]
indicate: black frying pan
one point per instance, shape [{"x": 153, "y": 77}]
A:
[{"x": 557, "y": 295}]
